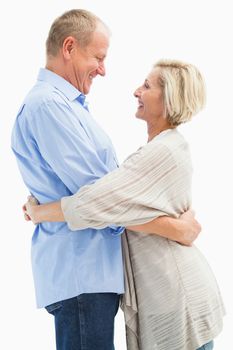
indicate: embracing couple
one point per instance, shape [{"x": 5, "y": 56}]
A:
[{"x": 107, "y": 234}]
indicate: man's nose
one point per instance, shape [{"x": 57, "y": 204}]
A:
[{"x": 101, "y": 69}]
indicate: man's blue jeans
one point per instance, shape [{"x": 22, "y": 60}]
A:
[
  {"x": 85, "y": 322},
  {"x": 208, "y": 346}
]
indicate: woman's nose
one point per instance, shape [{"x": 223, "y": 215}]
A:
[{"x": 137, "y": 92}]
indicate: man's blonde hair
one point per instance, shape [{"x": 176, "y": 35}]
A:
[
  {"x": 183, "y": 90},
  {"x": 78, "y": 23}
]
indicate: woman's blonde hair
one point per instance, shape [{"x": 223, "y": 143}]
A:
[
  {"x": 183, "y": 90},
  {"x": 78, "y": 23}
]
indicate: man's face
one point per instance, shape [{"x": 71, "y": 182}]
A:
[{"x": 88, "y": 62}]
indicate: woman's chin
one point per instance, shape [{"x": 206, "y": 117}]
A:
[{"x": 139, "y": 116}]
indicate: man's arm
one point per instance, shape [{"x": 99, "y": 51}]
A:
[
  {"x": 60, "y": 144},
  {"x": 64, "y": 144},
  {"x": 183, "y": 230}
]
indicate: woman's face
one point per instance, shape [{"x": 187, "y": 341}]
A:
[{"x": 150, "y": 98}]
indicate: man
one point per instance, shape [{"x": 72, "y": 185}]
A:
[{"x": 59, "y": 148}]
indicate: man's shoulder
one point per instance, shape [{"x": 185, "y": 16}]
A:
[
  {"x": 39, "y": 100},
  {"x": 41, "y": 94}
]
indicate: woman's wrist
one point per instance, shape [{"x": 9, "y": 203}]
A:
[
  {"x": 39, "y": 214},
  {"x": 50, "y": 212},
  {"x": 36, "y": 213}
]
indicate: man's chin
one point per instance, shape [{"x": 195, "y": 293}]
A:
[{"x": 86, "y": 90}]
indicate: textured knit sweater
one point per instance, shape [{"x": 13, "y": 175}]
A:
[{"x": 172, "y": 301}]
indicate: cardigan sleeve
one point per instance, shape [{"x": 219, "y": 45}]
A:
[{"x": 141, "y": 189}]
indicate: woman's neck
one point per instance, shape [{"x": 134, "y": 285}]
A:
[{"x": 154, "y": 130}]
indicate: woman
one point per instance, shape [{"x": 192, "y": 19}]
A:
[{"x": 172, "y": 301}]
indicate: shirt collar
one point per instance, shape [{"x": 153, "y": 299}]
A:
[{"x": 61, "y": 84}]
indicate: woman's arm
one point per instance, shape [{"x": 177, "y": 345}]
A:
[
  {"x": 151, "y": 184},
  {"x": 50, "y": 212},
  {"x": 183, "y": 230}
]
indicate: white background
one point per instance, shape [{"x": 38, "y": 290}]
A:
[{"x": 142, "y": 32}]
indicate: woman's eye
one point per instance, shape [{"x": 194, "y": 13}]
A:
[{"x": 146, "y": 85}]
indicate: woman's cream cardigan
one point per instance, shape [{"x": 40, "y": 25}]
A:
[{"x": 172, "y": 301}]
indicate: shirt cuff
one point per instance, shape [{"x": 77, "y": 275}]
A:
[{"x": 115, "y": 230}]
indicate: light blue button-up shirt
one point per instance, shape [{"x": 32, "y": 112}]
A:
[{"x": 59, "y": 148}]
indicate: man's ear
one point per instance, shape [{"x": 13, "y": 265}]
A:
[{"x": 68, "y": 47}]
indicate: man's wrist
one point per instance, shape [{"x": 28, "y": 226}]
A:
[{"x": 178, "y": 229}]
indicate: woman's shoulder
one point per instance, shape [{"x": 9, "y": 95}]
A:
[
  {"x": 170, "y": 140},
  {"x": 169, "y": 144},
  {"x": 169, "y": 137},
  {"x": 171, "y": 147}
]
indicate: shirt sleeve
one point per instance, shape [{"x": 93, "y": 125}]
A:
[
  {"x": 65, "y": 145},
  {"x": 144, "y": 187}
]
